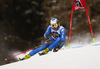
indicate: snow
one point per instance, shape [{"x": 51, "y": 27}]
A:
[{"x": 80, "y": 57}]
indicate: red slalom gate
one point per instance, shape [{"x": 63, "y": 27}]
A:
[{"x": 79, "y": 4}]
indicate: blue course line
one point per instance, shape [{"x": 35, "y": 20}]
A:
[
  {"x": 95, "y": 44},
  {"x": 84, "y": 46},
  {"x": 77, "y": 47}
]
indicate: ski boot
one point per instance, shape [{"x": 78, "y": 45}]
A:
[
  {"x": 25, "y": 57},
  {"x": 44, "y": 52},
  {"x": 41, "y": 53}
]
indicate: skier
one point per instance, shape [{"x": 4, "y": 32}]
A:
[{"x": 56, "y": 41}]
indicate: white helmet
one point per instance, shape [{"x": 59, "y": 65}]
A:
[{"x": 54, "y": 22}]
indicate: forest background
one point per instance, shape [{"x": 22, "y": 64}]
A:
[{"x": 23, "y": 22}]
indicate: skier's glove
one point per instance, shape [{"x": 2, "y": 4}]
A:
[
  {"x": 49, "y": 41},
  {"x": 56, "y": 49}
]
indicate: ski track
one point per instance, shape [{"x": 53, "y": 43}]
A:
[{"x": 80, "y": 57}]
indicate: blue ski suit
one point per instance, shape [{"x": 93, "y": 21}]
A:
[{"x": 56, "y": 37}]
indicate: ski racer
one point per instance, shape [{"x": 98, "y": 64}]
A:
[{"x": 56, "y": 41}]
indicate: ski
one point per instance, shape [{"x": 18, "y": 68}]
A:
[
  {"x": 21, "y": 59},
  {"x": 41, "y": 53}
]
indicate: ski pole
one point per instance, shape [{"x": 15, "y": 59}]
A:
[
  {"x": 24, "y": 52},
  {"x": 18, "y": 54}
]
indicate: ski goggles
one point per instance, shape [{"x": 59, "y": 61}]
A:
[{"x": 54, "y": 25}]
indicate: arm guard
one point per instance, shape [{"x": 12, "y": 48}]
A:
[
  {"x": 61, "y": 43},
  {"x": 58, "y": 47},
  {"x": 46, "y": 36}
]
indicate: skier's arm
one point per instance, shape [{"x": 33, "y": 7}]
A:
[
  {"x": 60, "y": 44},
  {"x": 62, "y": 36},
  {"x": 47, "y": 32},
  {"x": 46, "y": 36}
]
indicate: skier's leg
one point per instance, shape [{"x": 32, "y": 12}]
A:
[
  {"x": 41, "y": 48},
  {"x": 50, "y": 47},
  {"x": 33, "y": 52},
  {"x": 47, "y": 49},
  {"x": 54, "y": 44}
]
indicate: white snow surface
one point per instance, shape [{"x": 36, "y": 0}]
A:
[{"x": 80, "y": 57}]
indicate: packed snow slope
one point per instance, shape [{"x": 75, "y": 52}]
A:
[{"x": 80, "y": 57}]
